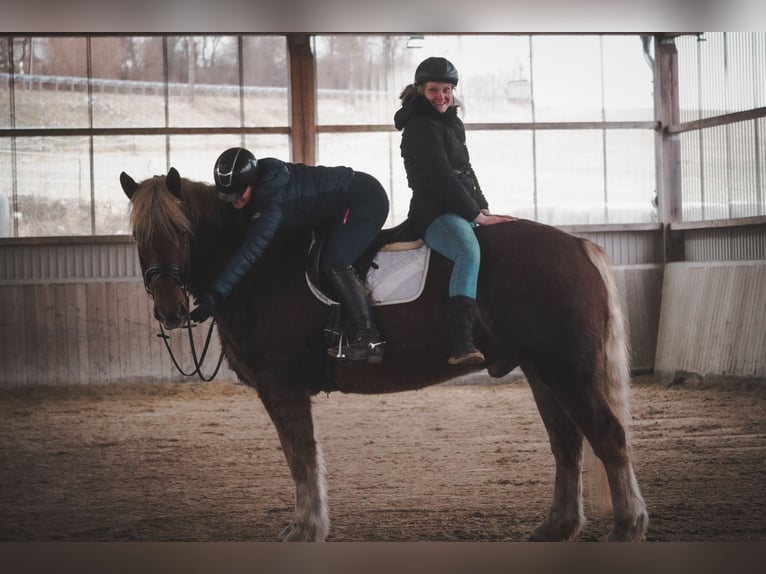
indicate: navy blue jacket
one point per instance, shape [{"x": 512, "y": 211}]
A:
[
  {"x": 437, "y": 163},
  {"x": 285, "y": 197}
]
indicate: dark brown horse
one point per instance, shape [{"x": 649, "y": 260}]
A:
[{"x": 548, "y": 302}]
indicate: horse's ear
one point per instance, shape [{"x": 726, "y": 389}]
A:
[
  {"x": 173, "y": 182},
  {"x": 129, "y": 185}
]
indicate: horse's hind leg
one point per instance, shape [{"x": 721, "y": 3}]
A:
[
  {"x": 291, "y": 414},
  {"x": 607, "y": 434},
  {"x": 565, "y": 517}
]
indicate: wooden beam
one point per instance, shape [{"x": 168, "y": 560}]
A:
[
  {"x": 667, "y": 145},
  {"x": 302, "y": 99},
  {"x": 627, "y": 125},
  {"x": 717, "y": 121},
  {"x": 43, "y": 132}
]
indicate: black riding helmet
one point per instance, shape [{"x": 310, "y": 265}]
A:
[
  {"x": 234, "y": 170},
  {"x": 436, "y": 70}
]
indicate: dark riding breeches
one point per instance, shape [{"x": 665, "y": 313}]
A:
[{"x": 351, "y": 231}]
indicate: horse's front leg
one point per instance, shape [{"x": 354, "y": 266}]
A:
[{"x": 290, "y": 411}]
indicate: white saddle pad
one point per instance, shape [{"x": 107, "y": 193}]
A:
[{"x": 396, "y": 276}]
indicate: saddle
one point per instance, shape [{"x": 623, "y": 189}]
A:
[{"x": 394, "y": 267}]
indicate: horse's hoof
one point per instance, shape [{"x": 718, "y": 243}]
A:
[
  {"x": 548, "y": 533},
  {"x": 635, "y": 532}
]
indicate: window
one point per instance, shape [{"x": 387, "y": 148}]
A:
[
  {"x": 83, "y": 109},
  {"x": 509, "y": 84},
  {"x": 723, "y": 169}
]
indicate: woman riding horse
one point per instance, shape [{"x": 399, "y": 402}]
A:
[
  {"x": 348, "y": 207},
  {"x": 447, "y": 201}
]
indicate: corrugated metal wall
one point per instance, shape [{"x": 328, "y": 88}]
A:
[
  {"x": 713, "y": 319},
  {"x": 725, "y": 244}
]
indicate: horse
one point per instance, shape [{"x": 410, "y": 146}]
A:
[{"x": 548, "y": 302}]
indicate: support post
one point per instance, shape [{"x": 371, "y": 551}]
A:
[
  {"x": 668, "y": 145},
  {"x": 302, "y": 99}
]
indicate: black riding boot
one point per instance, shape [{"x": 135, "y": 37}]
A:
[
  {"x": 461, "y": 314},
  {"x": 366, "y": 344}
]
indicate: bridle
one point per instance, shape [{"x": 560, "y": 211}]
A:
[{"x": 178, "y": 274}]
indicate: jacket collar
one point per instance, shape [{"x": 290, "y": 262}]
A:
[{"x": 420, "y": 106}]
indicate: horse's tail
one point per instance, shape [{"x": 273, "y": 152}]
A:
[{"x": 616, "y": 374}]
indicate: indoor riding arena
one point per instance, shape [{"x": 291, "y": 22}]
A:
[{"x": 651, "y": 146}]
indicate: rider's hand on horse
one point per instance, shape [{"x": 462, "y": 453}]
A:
[
  {"x": 206, "y": 302},
  {"x": 487, "y": 218}
]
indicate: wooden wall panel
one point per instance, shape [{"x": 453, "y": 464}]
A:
[
  {"x": 640, "y": 289},
  {"x": 89, "y": 333},
  {"x": 97, "y": 333},
  {"x": 713, "y": 319}
]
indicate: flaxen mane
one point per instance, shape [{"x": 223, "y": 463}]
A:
[{"x": 155, "y": 210}]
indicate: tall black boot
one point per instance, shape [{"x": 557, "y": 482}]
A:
[
  {"x": 461, "y": 314},
  {"x": 366, "y": 343}
]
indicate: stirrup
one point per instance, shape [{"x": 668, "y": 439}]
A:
[{"x": 369, "y": 351}]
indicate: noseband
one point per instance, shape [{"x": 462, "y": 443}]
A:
[{"x": 172, "y": 270}]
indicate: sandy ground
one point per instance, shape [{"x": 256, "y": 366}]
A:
[{"x": 455, "y": 462}]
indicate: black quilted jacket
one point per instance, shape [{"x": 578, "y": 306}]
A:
[
  {"x": 437, "y": 163},
  {"x": 286, "y": 197}
]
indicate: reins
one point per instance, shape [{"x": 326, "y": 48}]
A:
[
  {"x": 176, "y": 272},
  {"x": 197, "y": 362}
]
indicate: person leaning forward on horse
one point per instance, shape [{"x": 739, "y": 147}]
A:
[
  {"x": 349, "y": 206},
  {"x": 447, "y": 201}
]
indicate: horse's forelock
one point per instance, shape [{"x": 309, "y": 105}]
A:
[{"x": 155, "y": 211}]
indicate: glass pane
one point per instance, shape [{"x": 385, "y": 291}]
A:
[
  {"x": 373, "y": 153},
  {"x": 760, "y": 126},
  {"x": 494, "y": 83},
  {"x": 266, "y": 77},
  {"x": 5, "y": 83},
  {"x": 203, "y": 74},
  {"x": 570, "y": 177},
  {"x": 53, "y": 186},
  {"x": 194, "y": 156},
  {"x": 128, "y": 85},
  {"x": 630, "y": 181},
  {"x": 628, "y": 80},
  {"x": 140, "y": 157},
  {"x": 359, "y": 79},
  {"x": 691, "y": 181},
  {"x": 714, "y": 173},
  {"x": 263, "y": 145},
  {"x": 688, "y": 77},
  {"x": 566, "y": 77},
  {"x": 743, "y": 170},
  {"x": 52, "y": 88},
  {"x": 503, "y": 164},
  {"x": 6, "y": 188}
]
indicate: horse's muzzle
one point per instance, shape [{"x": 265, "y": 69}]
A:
[{"x": 174, "y": 319}]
